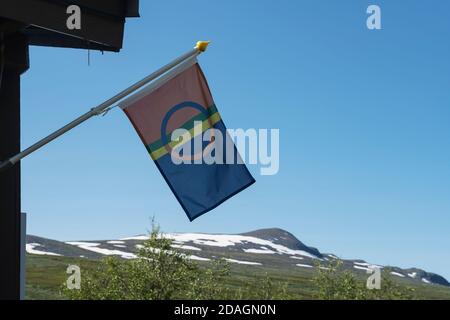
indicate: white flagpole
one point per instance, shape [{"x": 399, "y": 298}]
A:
[{"x": 199, "y": 48}]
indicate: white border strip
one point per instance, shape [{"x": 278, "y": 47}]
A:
[{"x": 158, "y": 83}]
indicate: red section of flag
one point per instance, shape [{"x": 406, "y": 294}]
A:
[{"x": 147, "y": 113}]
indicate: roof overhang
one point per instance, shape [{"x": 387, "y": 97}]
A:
[{"x": 44, "y": 22}]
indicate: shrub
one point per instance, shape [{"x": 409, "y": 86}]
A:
[
  {"x": 334, "y": 283},
  {"x": 161, "y": 272}
]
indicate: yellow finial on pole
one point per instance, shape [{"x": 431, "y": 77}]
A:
[{"x": 202, "y": 45}]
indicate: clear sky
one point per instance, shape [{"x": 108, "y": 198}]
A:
[{"x": 363, "y": 118}]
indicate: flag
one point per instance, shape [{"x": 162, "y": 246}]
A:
[{"x": 181, "y": 102}]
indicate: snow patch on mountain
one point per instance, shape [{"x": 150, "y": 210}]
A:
[
  {"x": 361, "y": 268},
  {"x": 115, "y": 242},
  {"x": 30, "y": 248},
  {"x": 368, "y": 265},
  {"x": 92, "y": 246},
  {"x": 225, "y": 240},
  {"x": 184, "y": 247},
  {"x": 244, "y": 262},
  {"x": 260, "y": 251},
  {"x": 398, "y": 274},
  {"x": 138, "y": 238},
  {"x": 197, "y": 258}
]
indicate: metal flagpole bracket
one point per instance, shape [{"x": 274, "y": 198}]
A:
[{"x": 105, "y": 112}]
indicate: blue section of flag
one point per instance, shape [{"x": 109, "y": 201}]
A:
[{"x": 201, "y": 187}]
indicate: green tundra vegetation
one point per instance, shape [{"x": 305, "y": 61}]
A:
[
  {"x": 335, "y": 283},
  {"x": 162, "y": 272}
]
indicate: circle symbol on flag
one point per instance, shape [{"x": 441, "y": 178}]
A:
[{"x": 165, "y": 122}]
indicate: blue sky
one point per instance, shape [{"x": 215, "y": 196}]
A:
[{"x": 363, "y": 118}]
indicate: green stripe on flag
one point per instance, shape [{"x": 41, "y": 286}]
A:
[{"x": 187, "y": 125}]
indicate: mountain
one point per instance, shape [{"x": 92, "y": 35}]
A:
[
  {"x": 268, "y": 248},
  {"x": 282, "y": 237}
]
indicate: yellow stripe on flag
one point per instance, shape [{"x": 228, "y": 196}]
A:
[{"x": 206, "y": 124}]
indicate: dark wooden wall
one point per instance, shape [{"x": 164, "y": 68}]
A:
[{"x": 15, "y": 62}]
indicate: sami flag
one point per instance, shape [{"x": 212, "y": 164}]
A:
[{"x": 182, "y": 100}]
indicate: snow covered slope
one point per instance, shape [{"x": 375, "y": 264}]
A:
[{"x": 272, "y": 248}]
